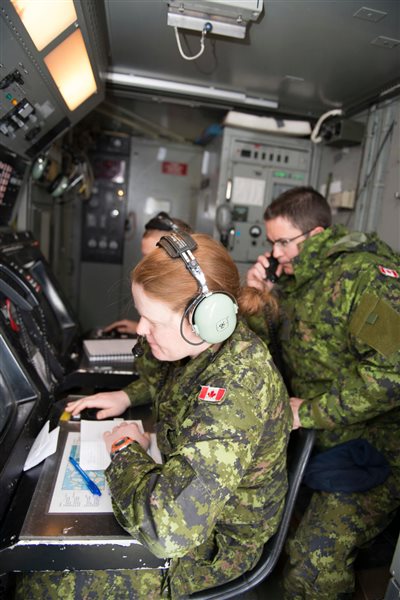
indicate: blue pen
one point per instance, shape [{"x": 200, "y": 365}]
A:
[{"x": 90, "y": 484}]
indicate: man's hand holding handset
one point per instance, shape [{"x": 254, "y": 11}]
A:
[{"x": 264, "y": 273}]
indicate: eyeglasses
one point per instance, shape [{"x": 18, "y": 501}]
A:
[{"x": 284, "y": 242}]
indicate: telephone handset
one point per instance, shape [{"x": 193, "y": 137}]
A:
[
  {"x": 225, "y": 225},
  {"x": 270, "y": 271},
  {"x": 19, "y": 291}
]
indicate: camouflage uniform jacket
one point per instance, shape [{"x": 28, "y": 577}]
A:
[
  {"x": 224, "y": 470},
  {"x": 341, "y": 338}
]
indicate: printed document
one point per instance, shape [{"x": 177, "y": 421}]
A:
[{"x": 87, "y": 447}]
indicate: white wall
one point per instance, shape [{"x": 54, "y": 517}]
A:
[
  {"x": 375, "y": 166},
  {"x": 388, "y": 226}
]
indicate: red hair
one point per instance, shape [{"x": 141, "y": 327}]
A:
[{"x": 168, "y": 280}]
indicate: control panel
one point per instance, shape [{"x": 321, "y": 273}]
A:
[
  {"x": 29, "y": 120},
  {"x": 255, "y": 169},
  {"x": 32, "y": 110},
  {"x": 105, "y": 212}
]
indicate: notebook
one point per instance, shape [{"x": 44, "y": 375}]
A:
[{"x": 109, "y": 350}]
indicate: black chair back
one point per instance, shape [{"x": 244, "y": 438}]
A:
[{"x": 299, "y": 450}]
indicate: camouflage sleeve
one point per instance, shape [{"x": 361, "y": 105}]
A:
[
  {"x": 172, "y": 508},
  {"x": 150, "y": 371},
  {"x": 370, "y": 384}
]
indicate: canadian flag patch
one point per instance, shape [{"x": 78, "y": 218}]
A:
[
  {"x": 212, "y": 394},
  {"x": 388, "y": 272}
]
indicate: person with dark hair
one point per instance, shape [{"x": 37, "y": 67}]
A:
[
  {"x": 339, "y": 332},
  {"x": 158, "y": 226},
  {"x": 222, "y": 419},
  {"x": 153, "y": 230}
]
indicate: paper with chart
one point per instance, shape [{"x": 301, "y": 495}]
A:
[{"x": 70, "y": 493}]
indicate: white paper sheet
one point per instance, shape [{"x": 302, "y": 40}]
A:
[
  {"x": 45, "y": 445},
  {"x": 111, "y": 350},
  {"x": 248, "y": 191},
  {"x": 93, "y": 453}
]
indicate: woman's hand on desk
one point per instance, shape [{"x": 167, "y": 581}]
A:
[
  {"x": 123, "y": 326},
  {"x": 110, "y": 404},
  {"x": 126, "y": 430}
]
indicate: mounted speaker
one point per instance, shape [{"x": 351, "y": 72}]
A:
[{"x": 342, "y": 133}]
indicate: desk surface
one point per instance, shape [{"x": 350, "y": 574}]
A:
[{"x": 71, "y": 541}]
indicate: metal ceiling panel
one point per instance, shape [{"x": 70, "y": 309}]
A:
[{"x": 309, "y": 56}]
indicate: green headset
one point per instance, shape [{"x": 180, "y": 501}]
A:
[{"x": 212, "y": 315}]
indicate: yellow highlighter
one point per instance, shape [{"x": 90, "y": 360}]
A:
[{"x": 65, "y": 416}]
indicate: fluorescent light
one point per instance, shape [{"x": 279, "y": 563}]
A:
[
  {"x": 44, "y": 20},
  {"x": 390, "y": 90},
  {"x": 70, "y": 67},
  {"x": 196, "y": 91},
  {"x": 262, "y": 102},
  {"x": 288, "y": 127}
]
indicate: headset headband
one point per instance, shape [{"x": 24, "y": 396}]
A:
[
  {"x": 161, "y": 222},
  {"x": 181, "y": 246},
  {"x": 212, "y": 315}
]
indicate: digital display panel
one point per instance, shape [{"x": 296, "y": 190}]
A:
[{"x": 111, "y": 169}]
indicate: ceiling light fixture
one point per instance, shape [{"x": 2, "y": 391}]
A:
[
  {"x": 61, "y": 45},
  {"x": 45, "y": 20},
  {"x": 225, "y": 17},
  {"x": 70, "y": 67},
  {"x": 188, "y": 89},
  {"x": 220, "y": 17}
]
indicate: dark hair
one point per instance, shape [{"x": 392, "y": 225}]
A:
[
  {"x": 304, "y": 207},
  {"x": 163, "y": 222},
  {"x": 168, "y": 279}
]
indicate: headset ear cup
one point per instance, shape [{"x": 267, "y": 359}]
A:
[
  {"x": 58, "y": 185},
  {"x": 214, "y": 317},
  {"x": 39, "y": 168}
]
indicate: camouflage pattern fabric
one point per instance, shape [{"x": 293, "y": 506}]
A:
[
  {"x": 323, "y": 549},
  {"x": 91, "y": 585},
  {"x": 223, "y": 422},
  {"x": 341, "y": 341}
]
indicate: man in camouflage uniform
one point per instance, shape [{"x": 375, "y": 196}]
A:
[
  {"x": 223, "y": 420},
  {"x": 340, "y": 338}
]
